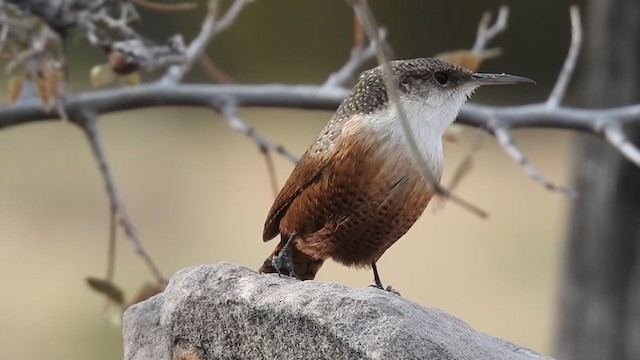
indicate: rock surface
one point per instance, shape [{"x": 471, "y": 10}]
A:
[{"x": 226, "y": 311}]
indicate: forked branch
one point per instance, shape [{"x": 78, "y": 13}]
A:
[
  {"x": 210, "y": 28},
  {"x": 503, "y": 136},
  {"x": 487, "y": 32},
  {"x": 88, "y": 122},
  {"x": 501, "y": 128}
]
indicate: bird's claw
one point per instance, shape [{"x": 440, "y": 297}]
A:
[
  {"x": 388, "y": 289},
  {"x": 283, "y": 265},
  {"x": 283, "y": 261}
]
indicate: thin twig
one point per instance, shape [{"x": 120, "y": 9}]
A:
[
  {"x": 111, "y": 253},
  {"x": 197, "y": 46},
  {"x": 271, "y": 170},
  {"x": 88, "y": 122},
  {"x": 616, "y": 137},
  {"x": 359, "y": 37},
  {"x": 371, "y": 28},
  {"x": 508, "y": 145},
  {"x": 210, "y": 28},
  {"x": 37, "y": 48},
  {"x": 121, "y": 24},
  {"x": 486, "y": 33},
  {"x": 238, "y": 124},
  {"x": 214, "y": 71},
  {"x": 570, "y": 62},
  {"x": 165, "y": 7},
  {"x": 358, "y": 57}
]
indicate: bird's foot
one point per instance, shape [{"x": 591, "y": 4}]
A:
[
  {"x": 378, "y": 283},
  {"x": 388, "y": 288},
  {"x": 283, "y": 261},
  {"x": 282, "y": 265},
  {"x": 271, "y": 265}
]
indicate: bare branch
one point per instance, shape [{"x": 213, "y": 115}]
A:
[
  {"x": 88, "y": 122},
  {"x": 271, "y": 170},
  {"x": 151, "y": 95},
  {"x": 197, "y": 46},
  {"x": 309, "y": 97},
  {"x": 616, "y": 137},
  {"x": 165, "y": 7},
  {"x": 121, "y": 24},
  {"x": 358, "y": 57},
  {"x": 371, "y": 28},
  {"x": 210, "y": 28},
  {"x": 508, "y": 145},
  {"x": 237, "y": 124},
  {"x": 111, "y": 252},
  {"x": 229, "y": 17},
  {"x": 570, "y": 62},
  {"x": 359, "y": 37},
  {"x": 486, "y": 33},
  {"x": 39, "y": 44}
]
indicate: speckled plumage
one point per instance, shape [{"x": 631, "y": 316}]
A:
[{"x": 357, "y": 190}]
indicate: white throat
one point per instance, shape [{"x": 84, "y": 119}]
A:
[{"x": 428, "y": 120}]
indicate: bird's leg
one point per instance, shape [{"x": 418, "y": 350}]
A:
[
  {"x": 378, "y": 283},
  {"x": 284, "y": 259},
  {"x": 376, "y": 277}
]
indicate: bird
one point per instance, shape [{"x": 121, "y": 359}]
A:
[{"x": 358, "y": 189}]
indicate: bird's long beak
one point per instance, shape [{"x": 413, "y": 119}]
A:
[{"x": 499, "y": 79}]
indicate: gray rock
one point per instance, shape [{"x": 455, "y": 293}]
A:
[{"x": 226, "y": 311}]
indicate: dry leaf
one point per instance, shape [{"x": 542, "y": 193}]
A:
[
  {"x": 468, "y": 59},
  {"x": 107, "y": 288},
  {"x": 15, "y": 88}
]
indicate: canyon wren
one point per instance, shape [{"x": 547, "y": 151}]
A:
[{"x": 357, "y": 189}]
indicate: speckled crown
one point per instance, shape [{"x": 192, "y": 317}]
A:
[{"x": 370, "y": 94}]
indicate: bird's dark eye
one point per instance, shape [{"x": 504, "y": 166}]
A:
[{"x": 441, "y": 77}]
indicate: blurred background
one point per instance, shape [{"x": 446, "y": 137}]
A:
[{"x": 198, "y": 192}]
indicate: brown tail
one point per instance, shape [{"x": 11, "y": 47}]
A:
[{"x": 304, "y": 265}]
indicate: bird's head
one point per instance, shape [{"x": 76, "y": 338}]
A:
[{"x": 432, "y": 83}]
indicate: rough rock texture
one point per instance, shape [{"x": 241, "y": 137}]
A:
[{"x": 226, "y": 311}]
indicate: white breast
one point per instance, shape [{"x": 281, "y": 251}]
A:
[{"x": 428, "y": 121}]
